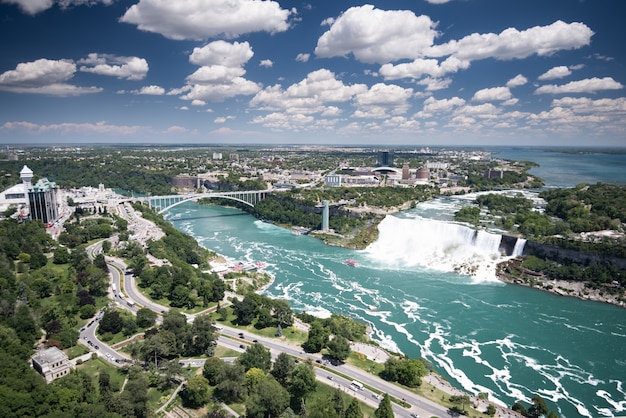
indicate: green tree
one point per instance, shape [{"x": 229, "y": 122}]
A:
[
  {"x": 519, "y": 407},
  {"x": 145, "y": 317},
  {"x": 317, "y": 338},
  {"x": 196, "y": 393},
  {"x": 264, "y": 319},
  {"x": 231, "y": 386},
  {"x": 180, "y": 297},
  {"x": 384, "y": 409},
  {"x": 268, "y": 399},
  {"x": 302, "y": 381},
  {"x": 203, "y": 336},
  {"x": 283, "y": 367},
  {"x": 460, "y": 400},
  {"x": 282, "y": 312},
  {"x": 87, "y": 311},
  {"x": 336, "y": 400},
  {"x": 111, "y": 322},
  {"x": 354, "y": 409},
  {"x": 245, "y": 311},
  {"x": 253, "y": 378},
  {"x": 411, "y": 372},
  {"x": 106, "y": 246},
  {"x": 256, "y": 355},
  {"x": 339, "y": 348},
  {"x": 212, "y": 368},
  {"x": 61, "y": 255},
  {"x": 538, "y": 408}
]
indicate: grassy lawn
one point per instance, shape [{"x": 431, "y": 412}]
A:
[
  {"x": 94, "y": 367},
  {"x": 363, "y": 363},
  {"x": 159, "y": 397},
  {"x": 290, "y": 334},
  {"x": 60, "y": 270},
  {"x": 77, "y": 350},
  {"x": 324, "y": 392},
  {"x": 221, "y": 352}
]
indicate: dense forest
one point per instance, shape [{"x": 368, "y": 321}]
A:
[
  {"x": 47, "y": 294},
  {"x": 181, "y": 283},
  {"x": 588, "y": 208}
]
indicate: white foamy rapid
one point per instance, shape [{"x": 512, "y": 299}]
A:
[{"x": 438, "y": 245}]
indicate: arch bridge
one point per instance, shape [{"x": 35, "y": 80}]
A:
[{"x": 164, "y": 203}]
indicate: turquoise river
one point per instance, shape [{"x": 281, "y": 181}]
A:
[{"x": 482, "y": 335}]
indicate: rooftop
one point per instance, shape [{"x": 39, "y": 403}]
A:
[
  {"x": 49, "y": 356},
  {"x": 43, "y": 185}
]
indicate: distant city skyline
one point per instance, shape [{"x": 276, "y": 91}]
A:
[{"x": 393, "y": 72}]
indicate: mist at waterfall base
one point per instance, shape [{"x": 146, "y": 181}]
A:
[{"x": 482, "y": 335}]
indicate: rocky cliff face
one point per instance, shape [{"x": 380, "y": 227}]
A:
[{"x": 554, "y": 253}]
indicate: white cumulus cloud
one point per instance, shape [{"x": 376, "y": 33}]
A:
[
  {"x": 197, "y": 20},
  {"x": 555, "y": 72},
  {"x": 311, "y": 95},
  {"x": 421, "y": 66},
  {"x": 223, "y": 53},
  {"x": 303, "y": 57},
  {"x": 129, "y": 68},
  {"x": 43, "y": 76},
  {"x": 492, "y": 94},
  {"x": 588, "y": 85},
  {"x": 377, "y": 36},
  {"x": 221, "y": 73},
  {"x": 432, "y": 105},
  {"x": 221, "y": 91},
  {"x": 266, "y": 63},
  {"x": 512, "y": 43},
  {"x": 433, "y": 84},
  {"x": 382, "y": 98},
  {"x": 150, "y": 91},
  {"x": 518, "y": 80}
]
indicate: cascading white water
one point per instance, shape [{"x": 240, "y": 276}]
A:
[
  {"x": 518, "y": 249},
  {"x": 437, "y": 245}
]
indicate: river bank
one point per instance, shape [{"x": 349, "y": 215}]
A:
[{"x": 569, "y": 288}]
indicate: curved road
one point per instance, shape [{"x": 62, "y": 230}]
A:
[{"x": 230, "y": 337}]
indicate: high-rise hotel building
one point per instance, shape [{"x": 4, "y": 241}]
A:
[{"x": 42, "y": 201}]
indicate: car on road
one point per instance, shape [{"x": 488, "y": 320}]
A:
[
  {"x": 242, "y": 346},
  {"x": 329, "y": 377},
  {"x": 414, "y": 415},
  {"x": 97, "y": 347}
]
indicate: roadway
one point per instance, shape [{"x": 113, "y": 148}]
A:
[{"x": 230, "y": 337}]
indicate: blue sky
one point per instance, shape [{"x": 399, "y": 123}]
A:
[{"x": 422, "y": 72}]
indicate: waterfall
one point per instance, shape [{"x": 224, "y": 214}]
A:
[
  {"x": 438, "y": 245},
  {"x": 519, "y": 247}
]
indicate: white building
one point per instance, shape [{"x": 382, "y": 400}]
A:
[
  {"x": 51, "y": 363},
  {"x": 17, "y": 196}
]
